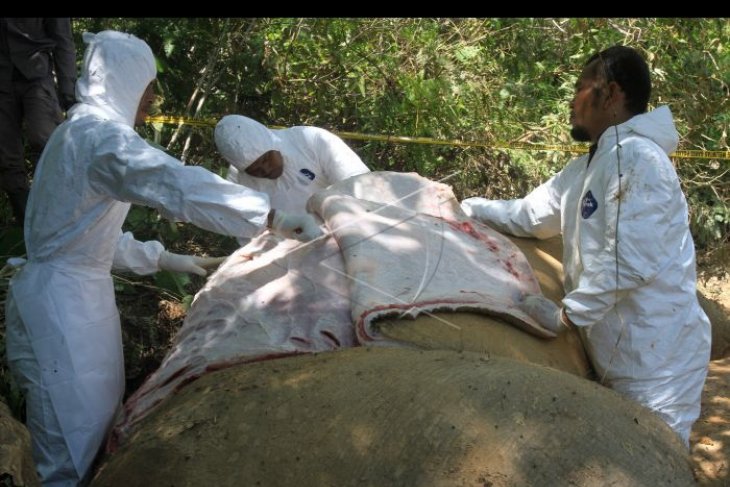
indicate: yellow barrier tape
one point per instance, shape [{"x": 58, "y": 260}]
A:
[
  {"x": 399, "y": 139},
  {"x": 199, "y": 122}
]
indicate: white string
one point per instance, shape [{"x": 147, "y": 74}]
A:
[{"x": 619, "y": 197}]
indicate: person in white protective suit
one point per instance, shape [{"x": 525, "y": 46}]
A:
[
  {"x": 63, "y": 338},
  {"x": 629, "y": 257},
  {"x": 287, "y": 164}
]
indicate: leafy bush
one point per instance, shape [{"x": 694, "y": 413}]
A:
[{"x": 491, "y": 81}]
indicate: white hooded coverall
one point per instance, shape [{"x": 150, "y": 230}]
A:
[
  {"x": 647, "y": 332},
  {"x": 63, "y": 331},
  {"x": 313, "y": 159}
]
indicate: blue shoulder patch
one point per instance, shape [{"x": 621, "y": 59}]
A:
[
  {"x": 588, "y": 205},
  {"x": 308, "y": 174}
]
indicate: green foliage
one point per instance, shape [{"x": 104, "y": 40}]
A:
[
  {"x": 493, "y": 81},
  {"x": 707, "y": 195},
  {"x": 487, "y": 80},
  {"x": 175, "y": 283}
]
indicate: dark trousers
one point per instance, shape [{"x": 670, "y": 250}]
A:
[{"x": 35, "y": 103}]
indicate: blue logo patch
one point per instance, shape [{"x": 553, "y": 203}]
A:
[
  {"x": 309, "y": 174},
  {"x": 588, "y": 205}
]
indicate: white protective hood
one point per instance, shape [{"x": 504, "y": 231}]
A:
[
  {"x": 117, "y": 69},
  {"x": 242, "y": 140},
  {"x": 656, "y": 125}
]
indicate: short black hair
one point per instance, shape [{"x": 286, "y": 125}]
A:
[{"x": 625, "y": 66}]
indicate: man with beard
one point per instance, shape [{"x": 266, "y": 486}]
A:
[{"x": 629, "y": 258}]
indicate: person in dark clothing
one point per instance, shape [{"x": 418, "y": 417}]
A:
[{"x": 31, "y": 51}]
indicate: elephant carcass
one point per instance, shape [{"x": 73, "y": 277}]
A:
[
  {"x": 412, "y": 253},
  {"x": 375, "y": 416},
  {"x": 379, "y": 416}
]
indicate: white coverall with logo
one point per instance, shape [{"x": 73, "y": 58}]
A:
[
  {"x": 313, "y": 159},
  {"x": 64, "y": 341},
  {"x": 647, "y": 332}
]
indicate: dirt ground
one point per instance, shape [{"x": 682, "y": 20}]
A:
[{"x": 710, "y": 441}]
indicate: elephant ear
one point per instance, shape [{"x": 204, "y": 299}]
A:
[
  {"x": 490, "y": 334},
  {"x": 546, "y": 259}
]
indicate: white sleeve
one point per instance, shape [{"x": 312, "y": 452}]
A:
[
  {"x": 535, "y": 215},
  {"x": 135, "y": 256},
  {"x": 337, "y": 159},
  {"x": 127, "y": 168},
  {"x": 652, "y": 228}
]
